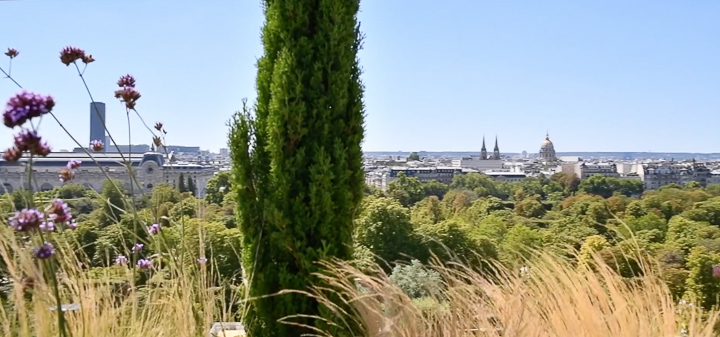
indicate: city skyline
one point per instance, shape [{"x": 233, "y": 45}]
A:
[{"x": 600, "y": 77}]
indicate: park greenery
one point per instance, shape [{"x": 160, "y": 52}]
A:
[{"x": 293, "y": 243}]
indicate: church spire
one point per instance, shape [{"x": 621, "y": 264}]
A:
[
  {"x": 496, "y": 151},
  {"x": 483, "y": 150}
]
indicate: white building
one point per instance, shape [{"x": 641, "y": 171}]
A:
[{"x": 150, "y": 169}]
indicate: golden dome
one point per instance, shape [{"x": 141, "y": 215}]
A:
[{"x": 546, "y": 143}]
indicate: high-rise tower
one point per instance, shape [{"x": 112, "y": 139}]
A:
[{"x": 97, "y": 118}]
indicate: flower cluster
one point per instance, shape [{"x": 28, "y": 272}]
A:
[
  {"x": 121, "y": 260},
  {"x": 12, "y": 53},
  {"x": 716, "y": 271},
  {"x": 68, "y": 173},
  {"x": 26, "y": 220},
  {"x": 154, "y": 229},
  {"x": 138, "y": 247},
  {"x": 45, "y": 251},
  {"x": 71, "y": 54},
  {"x": 127, "y": 92},
  {"x": 58, "y": 211},
  {"x": 25, "y": 106},
  {"x": 26, "y": 141},
  {"x": 97, "y": 145},
  {"x": 144, "y": 264}
]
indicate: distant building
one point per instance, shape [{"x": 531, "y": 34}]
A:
[
  {"x": 444, "y": 175},
  {"x": 506, "y": 177},
  {"x": 224, "y": 152},
  {"x": 151, "y": 168},
  {"x": 586, "y": 170},
  {"x": 97, "y": 122},
  {"x": 656, "y": 175},
  {"x": 547, "y": 149},
  {"x": 482, "y": 162},
  {"x": 183, "y": 149}
]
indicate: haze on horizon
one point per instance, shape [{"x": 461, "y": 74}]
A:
[{"x": 611, "y": 76}]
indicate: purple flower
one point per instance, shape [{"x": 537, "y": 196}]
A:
[
  {"x": 97, "y": 145},
  {"x": 144, "y": 264},
  {"x": 73, "y": 164},
  {"x": 28, "y": 140},
  {"x": 154, "y": 229},
  {"x": 66, "y": 175},
  {"x": 12, "y": 53},
  {"x": 59, "y": 211},
  {"x": 128, "y": 95},
  {"x": 126, "y": 81},
  {"x": 25, "y": 106},
  {"x": 716, "y": 271},
  {"x": 138, "y": 247},
  {"x": 71, "y": 225},
  {"x": 26, "y": 219},
  {"x": 202, "y": 260},
  {"x": 12, "y": 154},
  {"x": 71, "y": 54},
  {"x": 121, "y": 260},
  {"x": 47, "y": 226},
  {"x": 47, "y": 250}
]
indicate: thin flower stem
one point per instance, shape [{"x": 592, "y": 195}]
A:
[
  {"x": 7, "y": 75},
  {"x": 92, "y": 100}
]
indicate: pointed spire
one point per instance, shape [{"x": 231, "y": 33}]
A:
[
  {"x": 496, "y": 144},
  {"x": 483, "y": 146}
]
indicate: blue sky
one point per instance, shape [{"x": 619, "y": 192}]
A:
[{"x": 599, "y": 75}]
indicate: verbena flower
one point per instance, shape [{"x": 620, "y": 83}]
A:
[
  {"x": 47, "y": 250},
  {"x": 121, "y": 260},
  {"x": 73, "y": 164},
  {"x": 88, "y": 59},
  {"x": 25, "y": 106},
  {"x": 128, "y": 95},
  {"x": 158, "y": 126},
  {"x": 66, "y": 175},
  {"x": 26, "y": 219},
  {"x": 144, "y": 264},
  {"x": 47, "y": 226},
  {"x": 202, "y": 260},
  {"x": 157, "y": 141},
  {"x": 71, "y": 54},
  {"x": 126, "y": 81},
  {"x": 97, "y": 145},
  {"x": 28, "y": 140},
  {"x": 59, "y": 211},
  {"x": 12, "y": 154},
  {"x": 12, "y": 53},
  {"x": 154, "y": 229},
  {"x": 138, "y": 247},
  {"x": 716, "y": 271},
  {"x": 71, "y": 225}
]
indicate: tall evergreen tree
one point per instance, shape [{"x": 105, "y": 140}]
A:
[
  {"x": 191, "y": 187},
  {"x": 297, "y": 163},
  {"x": 181, "y": 183}
]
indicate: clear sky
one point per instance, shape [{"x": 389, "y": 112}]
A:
[{"x": 598, "y": 75}]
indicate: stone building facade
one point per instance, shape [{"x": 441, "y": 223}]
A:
[{"x": 150, "y": 169}]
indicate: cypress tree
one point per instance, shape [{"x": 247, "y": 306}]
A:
[
  {"x": 297, "y": 160},
  {"x": 191, "y": 186},
  {"x": 181, "y": 183}
]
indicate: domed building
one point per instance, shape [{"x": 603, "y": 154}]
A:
[{"x": 547, "y": 150}]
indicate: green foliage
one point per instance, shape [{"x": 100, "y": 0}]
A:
[
  {"x": 297, "y": 162},
  {"x": 191, "y": 186},
  {"x": 414, "y": 156},
  {"x": 481, "y": 184},
  {"x": 530, "y": 208},
  {"x": 606, "y": 187},
  {"x": 407, "y": 190},
  {"x": 416, "y": 280},
  {"x": 429, "y": 210},
  {"x": 181, "y": 184},
  {"x": 113, "y": 202},
  {"x": 163, "y": 193},
  {"x": 701, "y": 287},
  {"x": 71, "y": 191},
  {"x": 217, "y": 187},
  {"x": 384, "y": 227},
  {"x": 436, "y": 188},
  {"x": 451, "y": 240},
  {"x": 569, "y": 181}
]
